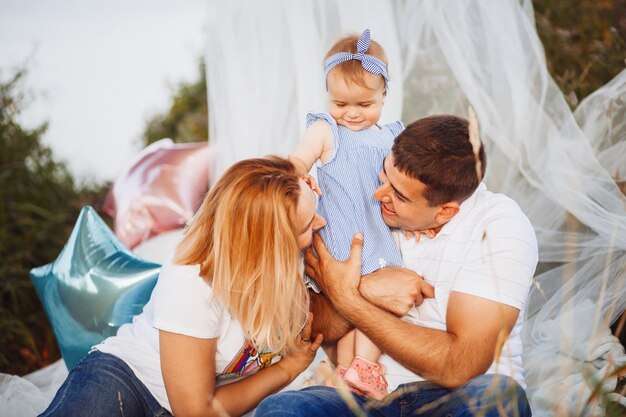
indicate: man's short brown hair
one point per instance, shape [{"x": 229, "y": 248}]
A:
[{"x": 436, "y": 151}]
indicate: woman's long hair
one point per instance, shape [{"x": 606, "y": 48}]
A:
[{"x": 244, "y": 237}]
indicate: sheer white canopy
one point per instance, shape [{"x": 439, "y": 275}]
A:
[{"x": 264, "y": 68}]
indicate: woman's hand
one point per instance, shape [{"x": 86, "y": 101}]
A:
[{"x": 298, "y": 361}]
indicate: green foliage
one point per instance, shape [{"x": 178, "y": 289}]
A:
[
  {"x": 584, "y": 42},
  {"x": 39, "y": 202},
  {"x": 187, "y": 119}
]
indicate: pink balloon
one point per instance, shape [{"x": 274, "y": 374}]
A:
[{"x": 160, "y": 191}]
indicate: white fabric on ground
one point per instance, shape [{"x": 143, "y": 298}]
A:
[{"x": 30, "y": 395}]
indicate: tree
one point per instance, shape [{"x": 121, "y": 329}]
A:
[
  {"x": 187, "y": 119},
  {"x": 585, "y": 43},
  {"x": 39, "y": 202}
]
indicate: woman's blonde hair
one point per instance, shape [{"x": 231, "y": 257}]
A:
[{"x": 244, "y": 237}]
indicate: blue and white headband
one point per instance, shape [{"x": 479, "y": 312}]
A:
[{"x": 370, "y": 63}]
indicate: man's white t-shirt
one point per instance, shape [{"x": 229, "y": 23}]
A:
[
  {"x": 182, "y": 302},
  {"x": 488, "y": 249}
]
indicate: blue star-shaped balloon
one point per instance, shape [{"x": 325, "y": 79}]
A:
[{"x": 93, "y": 287}]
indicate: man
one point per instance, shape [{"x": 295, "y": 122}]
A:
[{"x": 459, "y": 352}]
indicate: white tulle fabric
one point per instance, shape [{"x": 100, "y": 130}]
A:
[
  {"x": 264, "y": 68},
  {"x": 264, "y": 71},
  {"x": 29, "y": 396}
]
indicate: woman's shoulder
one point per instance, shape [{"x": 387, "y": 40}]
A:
[
  {"x": 184, "y": 303},
  {"x": 181, "y": 270},
  {"x": 176, "y": 278}
]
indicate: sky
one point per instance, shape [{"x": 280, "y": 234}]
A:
[{"x": 97, "y": 70}]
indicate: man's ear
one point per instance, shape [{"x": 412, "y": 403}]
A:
[{"x": 447, "y": 211}]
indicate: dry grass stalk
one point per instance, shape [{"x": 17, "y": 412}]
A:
[{"x": 474, "y": 138}]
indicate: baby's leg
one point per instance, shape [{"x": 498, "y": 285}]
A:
[
  {"x": 344, "y": 354},
  {"x": 345, "y": 349},
  {"x": 365, "y": 375},
  {"x": 365, "y": 348}
]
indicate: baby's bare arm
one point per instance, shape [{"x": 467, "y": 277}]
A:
[{"x": 315, "y": 144}]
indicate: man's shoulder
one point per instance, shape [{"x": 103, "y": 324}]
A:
[
  {"x": 501, "y": 217},
  {"x": 491, "y": 213},
  {"x": 490, "y": 205}
]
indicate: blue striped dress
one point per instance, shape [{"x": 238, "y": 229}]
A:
[{"x": 348, "y": 182}]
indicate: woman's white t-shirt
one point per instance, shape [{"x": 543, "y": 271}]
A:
[{"x": 182, "y": 302}]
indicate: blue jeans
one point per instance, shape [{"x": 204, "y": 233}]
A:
[
  {"x": 485, "y": 395},
  {"x": 103, "y": 385}
]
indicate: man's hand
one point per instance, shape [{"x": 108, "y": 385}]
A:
[
  {"x": 395, "y": 289},
  {"x": 339, "y": 280}
]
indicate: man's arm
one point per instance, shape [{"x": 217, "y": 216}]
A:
[
  {"x": 475, "y": 326},
  {"x": 393, "y": 289},
  {"x": 449, "y": 358}
]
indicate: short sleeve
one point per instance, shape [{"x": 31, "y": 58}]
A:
[
  {"x": 396, "y": 128},
  {"x": 184, "y": 304},
  {"x": 501, "y": 261},
  {"x": 314, "y": 117}
]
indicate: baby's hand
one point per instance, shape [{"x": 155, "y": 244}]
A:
[
  {"x": 409, "y": 234},
  {"x": 308, "y": 178},
  {"x": 418, "y": 233}
]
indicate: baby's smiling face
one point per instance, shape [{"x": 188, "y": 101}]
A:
[{"x": 354, "y": 106}]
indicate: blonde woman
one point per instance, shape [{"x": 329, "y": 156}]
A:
[{"x": 221, "y": 316}]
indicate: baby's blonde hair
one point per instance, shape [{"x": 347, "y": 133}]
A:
[
  {"x": 244, "y": 237},
  {"x": 352, "y": 70}
]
